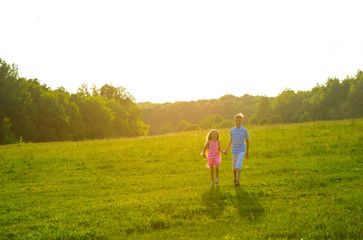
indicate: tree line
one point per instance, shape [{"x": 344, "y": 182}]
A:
[
  {"x": 31, "y": 111},
  {"x": 333, "y": 100}
]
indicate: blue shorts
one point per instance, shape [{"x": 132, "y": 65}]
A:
[{"x": 237, "y": 160}]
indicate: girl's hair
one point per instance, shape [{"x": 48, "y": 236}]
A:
[{"x": 209, "y": 137}]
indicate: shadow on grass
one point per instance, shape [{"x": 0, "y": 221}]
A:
[
  {"x": 214, "y": 201},
  {"x": 248, "y": 205}
]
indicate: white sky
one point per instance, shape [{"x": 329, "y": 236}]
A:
[{"x": 183, "y": 50}]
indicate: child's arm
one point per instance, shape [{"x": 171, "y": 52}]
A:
[
  {"x": 248, "y": 146},
  {"x": 205, "y": 146},
  {"x": 229, "y": 144},
  {"x": 220, "y": 148}
]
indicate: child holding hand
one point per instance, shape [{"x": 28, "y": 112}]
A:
[
  {"x": 239, "y": 140},
  {"x": 213, "y": 145}
]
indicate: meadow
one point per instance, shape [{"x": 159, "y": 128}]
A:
[{"x": 301, "y": 181}]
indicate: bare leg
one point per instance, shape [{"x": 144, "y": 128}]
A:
[
  {"x": 234, "y": 173},
  {"x": 212, "y": 173},
  {"x": 217, "y": 171},
  {"x": 238, "y": 174}
]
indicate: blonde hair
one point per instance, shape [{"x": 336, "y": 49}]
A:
[
  {"x": 239, "y": 115},
  {"x": 209, "y": 137}
]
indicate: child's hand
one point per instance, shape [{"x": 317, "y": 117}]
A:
[
  {"x": 205, "y": 156},
  {"x": 246, "y": 155}
]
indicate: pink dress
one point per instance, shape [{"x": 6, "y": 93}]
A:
[{"x": 214, "y": 156}]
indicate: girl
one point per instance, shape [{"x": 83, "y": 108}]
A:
[{"x": 214, "y": 157}]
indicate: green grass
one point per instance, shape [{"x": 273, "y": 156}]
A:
[{"x": 302, "y": 181}]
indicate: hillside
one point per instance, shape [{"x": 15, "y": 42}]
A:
[
  {"x": 334, "y": 100},
  {"x": 302, "y": 181}
]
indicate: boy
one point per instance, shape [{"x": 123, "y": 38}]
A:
[{"x": 238, "y": 136}]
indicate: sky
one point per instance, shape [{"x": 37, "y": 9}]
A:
[{"x": 167, "y": 51}]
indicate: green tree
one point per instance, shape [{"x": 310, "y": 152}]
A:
[
  {"x": 192, "y": 127},
  {"x": 264, "y": 121},
  {"x": 226, "y": 123},
  {"x": 15, "y": 101},
  {"x": 118, "y": 93},
  {"x": 211, "y": 121},
  {"x": 83, "y": 92},
  {"x": 73, "y": 127},
  {"x": 285, "y": 104},
  {"x": 332, "y": 100},
  {"x": 289, "y": 105},
  {"x": 194, "y": 111},
  {"x": 120, "y": 125},
  {"x": 49, "y": 113},
  {"x": 355, "y": 96},
  {"x": 118, "y": 113},
  {"x": 37, "y": 113},
  {"x": 276, "y": 119},
  {"x": 305, "y": 117},
  {"x": 6, "y": 135},
  {"x": 97, "y": 117},
  {"x": 264, "y": 108},
  {"x": 253, "y": 121},
  {"x": 142, "y": 128}
]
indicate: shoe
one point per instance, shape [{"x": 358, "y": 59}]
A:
[
  {"x": 217, "y": 180},
  {"x": 237, "y": 183},
  {"x": 212, "y": 184}
]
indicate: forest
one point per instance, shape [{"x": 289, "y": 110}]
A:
[
  {"x": 333, "y": 100},
  {"x": 32, "y": 112}
]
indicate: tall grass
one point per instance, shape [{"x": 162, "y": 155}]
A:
[{"x": 302, "y": 181}]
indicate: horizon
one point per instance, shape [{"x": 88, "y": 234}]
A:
[{"x": 193, "y": 100}]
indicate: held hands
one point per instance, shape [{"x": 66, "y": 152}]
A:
[{"x": 226, "y": 151}]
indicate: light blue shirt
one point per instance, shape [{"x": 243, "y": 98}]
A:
[{"x": 238, "y": 136}]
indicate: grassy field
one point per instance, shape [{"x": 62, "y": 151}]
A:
[{"x": 302, "y": 181}]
